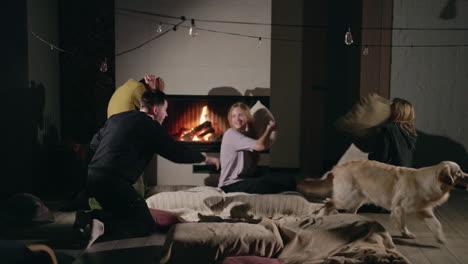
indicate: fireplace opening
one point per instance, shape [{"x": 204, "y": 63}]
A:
[{"x": 200, "y": 121}]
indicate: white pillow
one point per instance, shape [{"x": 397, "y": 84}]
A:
[
  {"x": 353, "y": 153},
  {"x": 262, "y": 117}
]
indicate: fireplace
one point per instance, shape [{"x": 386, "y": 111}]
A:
[{"x": 200, "y": 121}]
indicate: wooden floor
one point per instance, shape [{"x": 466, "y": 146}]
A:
[{"x": 423, "y": 250}]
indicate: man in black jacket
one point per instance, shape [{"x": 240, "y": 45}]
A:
[{"x": 122, "y": 149}]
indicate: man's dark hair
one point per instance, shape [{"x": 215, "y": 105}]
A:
[{"x": 152, "y": 97}]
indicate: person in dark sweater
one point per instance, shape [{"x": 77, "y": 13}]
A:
[
  {"x": 397, "y": 137},
  {"x": 122, "y": 149}
]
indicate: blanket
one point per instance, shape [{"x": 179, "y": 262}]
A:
[{"x": 341, "y": 238}]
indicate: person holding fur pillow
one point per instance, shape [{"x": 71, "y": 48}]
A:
[{"x": 239, "y": 156}]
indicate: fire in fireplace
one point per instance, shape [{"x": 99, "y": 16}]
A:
[
  {"x": 200, "y": 121},
  {"x": 209, "y": 127}
]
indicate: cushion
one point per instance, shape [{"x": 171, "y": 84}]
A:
[
  {"x": 251, "y": 260},
  {"x": 166, "y": 188},
  {"x": 25, "y": 208},
  {"x": 353, "y": 153},
  {"x": 192, "y": 199},
  {"x": 262, "y": 117},
  {"x": 211, "y": 242},
  {"x": 362, "y": 122},
  {"x": 371, "y": 111},
  {"x": 164, "y": 219}
]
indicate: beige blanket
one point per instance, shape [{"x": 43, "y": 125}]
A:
[
  {"x": 342, "y": 238},
  {"x": 206, "y": 243}
]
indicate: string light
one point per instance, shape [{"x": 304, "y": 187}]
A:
[
  {"x": 51, "y": 46},
  {"x": 103, "y": 67},
  {"x": 148, "y": 41},
  {"x": 288, "y": 25},
  {"x": 348, "y": 36},
  {"x": 193, "y": 29},
  {"x": 365, "y": 51},
  {"x": 159, "y": 29},
  {"x": 348, "y": 39},
  {"x": 259, "y": 44}
]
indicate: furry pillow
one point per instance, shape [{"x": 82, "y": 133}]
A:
[
  {"x": 362, "y": 122},
  {"x": 262, "y": 117},
  {"x": 372, "y": 111},
  {"x": 24, "y": 209}
]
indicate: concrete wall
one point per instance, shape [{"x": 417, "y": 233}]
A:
[
  {"x": 195, "y": 65},
  {"x": 434, "y": 79}
]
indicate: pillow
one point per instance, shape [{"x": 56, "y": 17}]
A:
[
  {"x": 371, "y": 111},
  {"x": 362, "y": 122},
  {"x": 353, "y": 153},
  {"x": 262, "y": 117},
  {"x": 25, "y": 208},
  {"x": 164, "y": 219},
  {"x": 251, "y": 260},
  {"x": 211, "y": 242},
  {"x": 192, "y": 199},
  {"x": 166, "y": 188}
]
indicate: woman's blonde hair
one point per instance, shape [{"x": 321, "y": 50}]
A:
[
  {"x": 249, "y": 131},
  {"x": 402, "y": 112}
]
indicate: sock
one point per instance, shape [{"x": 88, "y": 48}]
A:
[{"x": 96, "y": 230}]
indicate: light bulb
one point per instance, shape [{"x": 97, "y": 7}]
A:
[
  {"x": 103, "y": 67},
  {"x": 259, "y": 44},
  {"x": 193, "y": 32},
  {"x": 159, "y": 29},
  {"x": 365, "y": 51},
  {"x": 51, "y": 47},
  {"x": 348, "y": 39}
]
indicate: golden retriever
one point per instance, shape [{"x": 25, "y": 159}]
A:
[{"x": 398, "y": 189}]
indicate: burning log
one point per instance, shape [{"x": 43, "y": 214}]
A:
[
  {"x": 206, "y": 132},
  {"x": 198, "y": 130}
]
